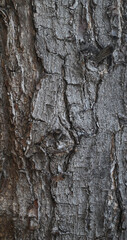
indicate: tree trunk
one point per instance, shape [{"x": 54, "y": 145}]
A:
[{"x": 63, "y": 120}]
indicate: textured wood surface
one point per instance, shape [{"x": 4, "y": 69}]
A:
[{"x": 63, "y": 120}]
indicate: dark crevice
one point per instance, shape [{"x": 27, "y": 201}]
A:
[
  {"x": 118, "y": 194},
  {"x": 72, "y": 152},
  {"x": 97, "y": 89},
  {"x": 120, "y": 205},
  {"x": 91, "y": 9},
  {"x": 117, "y": 186},
  {"x": 56, "y": 6},
  {"x": 53, "y": 203},
  {"x": 39, "y": 61},
  {"x": 94, "y": 106}
]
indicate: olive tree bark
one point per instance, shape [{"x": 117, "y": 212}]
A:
[{"x": 63, "y": 120}]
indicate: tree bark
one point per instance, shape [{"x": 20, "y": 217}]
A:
[{"x": 63, "y": 120}]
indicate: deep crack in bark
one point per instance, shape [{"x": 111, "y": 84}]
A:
[{"x": 72, "y": 152}]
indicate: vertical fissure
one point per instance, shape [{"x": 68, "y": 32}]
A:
[{"x": 71, "y": 130}]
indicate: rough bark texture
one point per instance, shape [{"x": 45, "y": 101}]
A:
[{"x": 63, "y": 119}]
